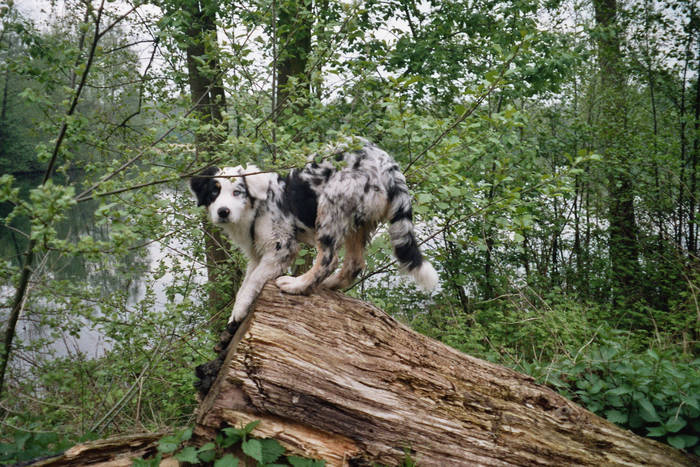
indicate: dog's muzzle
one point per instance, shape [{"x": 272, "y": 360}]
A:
[{"x": 223, "y": 213}]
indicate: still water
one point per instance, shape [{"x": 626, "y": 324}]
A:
[{"x": 145, "y": 276}]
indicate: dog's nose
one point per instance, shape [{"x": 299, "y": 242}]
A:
[{"x": 224, "y": 212}]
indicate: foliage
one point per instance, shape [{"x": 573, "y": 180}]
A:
[
  {"x": 26, "y": 446},
  {"x": 265, "y": 452},
  {"x": 649, "y": 392},
  {"x": 498, "y": 113}
]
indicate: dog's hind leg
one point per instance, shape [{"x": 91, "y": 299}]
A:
[
  {"x": 324, "y": 264},
  {"x": 354, "y": 261},
  {"x": 328, "y": 238}
]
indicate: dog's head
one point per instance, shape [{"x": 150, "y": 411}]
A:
[{"x": 227, "y": 193}]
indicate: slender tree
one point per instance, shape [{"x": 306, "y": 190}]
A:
[
  {"x": 205, "y": 80},
  {"x": 293, "y": 30},
  {"x": 622, "y": 230}
]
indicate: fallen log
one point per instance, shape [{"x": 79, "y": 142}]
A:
[
  {"x": 334, "y": 378},
  {"x": 119, "y": 451}
]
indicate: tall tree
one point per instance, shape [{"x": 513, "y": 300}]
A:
[
  {"x": 622, "y": 230},
  {"x": 293, "y": 30},
  {"x": 205, "y": 80}
]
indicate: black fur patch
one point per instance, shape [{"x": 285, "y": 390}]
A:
[
  {"x": 409, "y": 254},
  {"x": 403, "y": 214},
  {"x": 327, "y": 241},
  {"x": 205, "y": 187},
  {"x": 361, "y": 155},
  {"x": 327, "y": 259},
  {"x": 299, "y": 199},
  {"x": 395, "y": 190}
]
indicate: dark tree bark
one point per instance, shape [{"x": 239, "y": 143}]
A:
[
  {"x": 294, "y": 23},
  {"x": 692, "y": 221},
  {"x": 209, "y": 100},
  {"x": 622, "y": 230}
]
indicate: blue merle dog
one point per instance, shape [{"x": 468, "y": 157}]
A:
[{"x": 336, "y": 200}]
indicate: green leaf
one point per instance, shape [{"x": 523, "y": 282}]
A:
[
  {"x": 656, "y": 431},
  {"x": 207, "y": 453},
  {"x": 167, "y": 447},
  {"x": 185, "y": 434},
  {"x": 271, "y": 450},
  {"x": 207, "y": 447},
  {"x": 296, "y": 461},
  {"x": 691, "y": 401},
  {"x": 682, "y": 441},
  {"x": 675, "y": 424},
  {"x": 647, "y": 411},
  {"x": 188, "y": 454},
  {"x": 253, "y": 448},
  {"x": 155, "y": 462},
  {"x": 616, "y": 416},
  {"x": 168, "y": 444},
  {"x": 251, "y": 426},
  {"x": 227, "y": 461},
  {"x": 230, "y": 439}
]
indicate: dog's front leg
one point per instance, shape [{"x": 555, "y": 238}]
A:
[{"x": 255, "y": 278}]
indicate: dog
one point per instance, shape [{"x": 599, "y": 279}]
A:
[{"x": 338, "y": 198}]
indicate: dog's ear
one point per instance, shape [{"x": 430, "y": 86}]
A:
[
  {"x": 202, "y": 185},
  {"x": 257, "y": 184}
]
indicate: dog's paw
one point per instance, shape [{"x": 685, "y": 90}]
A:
[
  {"x": 237, "y": 315},
  {"x": 291, "y": 285}
]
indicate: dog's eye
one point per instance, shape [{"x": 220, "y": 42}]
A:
[
  {"x": 217, "y": 185},
  {"x": 238, "y": 192}
]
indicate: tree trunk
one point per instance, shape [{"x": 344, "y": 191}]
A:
[
  {"x": 692, "y": 221},
  {"x": 612, "y": 141},
  {"x": 294, "y": 22},
  {"x": 209, "y": 100},
  {"x": 334, "y": 378}
]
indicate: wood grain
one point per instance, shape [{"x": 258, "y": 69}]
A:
[{"x": 335, "y": 378}]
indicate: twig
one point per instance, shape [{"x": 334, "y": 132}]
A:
[{"x": 469, "y": 111}]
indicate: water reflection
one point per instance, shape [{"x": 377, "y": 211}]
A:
[{"x": 83, "y": 294}]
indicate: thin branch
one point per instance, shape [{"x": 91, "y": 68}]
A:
[
  {"x": 21, "y": 295},
  {"x": 469, "y": 111}
]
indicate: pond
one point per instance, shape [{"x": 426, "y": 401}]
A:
[{"x": 145, "y": 276}]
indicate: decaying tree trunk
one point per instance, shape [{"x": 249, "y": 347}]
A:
[
  {"x": 334, "y": 378},
  {"x": 119, "y": 451}
]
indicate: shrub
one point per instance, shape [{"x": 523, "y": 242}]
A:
[{"x": 653, "y": 393}]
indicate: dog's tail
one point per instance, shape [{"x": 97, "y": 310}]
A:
[{"x": 403, "y": 237}]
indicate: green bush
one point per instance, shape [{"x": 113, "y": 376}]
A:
[
  {"x": 653, "y": 393},
  {"x": 264, "y": 452},
  {"x": 27, "y": 445}
]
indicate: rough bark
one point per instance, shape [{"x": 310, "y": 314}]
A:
[
  {"x": 208, "y": 98},
  {"x": 114, "y": 452},
  {"x": 335, "y": 378},
  {"x": 612, "y": 141}
]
